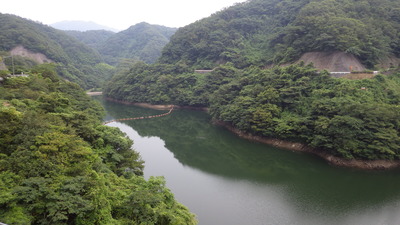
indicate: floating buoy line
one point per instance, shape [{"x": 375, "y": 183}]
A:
[{"x": 141, "y": 118}]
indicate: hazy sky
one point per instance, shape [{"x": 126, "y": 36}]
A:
[{"x": 119, "y": 14}]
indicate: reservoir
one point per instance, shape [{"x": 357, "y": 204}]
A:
[{"x": 226, "y": 180}]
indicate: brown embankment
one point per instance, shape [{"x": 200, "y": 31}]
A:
[
  {"x": 35, "y": 56},
  {"x": 333, "y": 160},
  {"x": 333, "y": 61}
]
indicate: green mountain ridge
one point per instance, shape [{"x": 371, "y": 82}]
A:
[
  {"x": 92, "y": 38},
  {"x": 75, "y": 61},
  {"x": 265, "y": 32},
  {"x": 142, "y": 42},
  {"x": 80, "y": 56},
  {"x": 58, "y": 163},
  {"x": 242, "y": 47}
]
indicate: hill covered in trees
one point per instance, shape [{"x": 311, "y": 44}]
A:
[
  {"x": 60, "y": 165},
  {"x": 142, "y": 42},
  {"x": 75, "y": 61},
  {"x": 264, "y": 32},
  {"x": 81, "y": 57},
  {"x": 347, "y": 118},
  {"x": 92, "y": 38}
]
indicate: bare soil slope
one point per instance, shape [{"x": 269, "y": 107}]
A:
[
  {"x": 37, "y": 57},
  {"x": 333, "y": 61}
]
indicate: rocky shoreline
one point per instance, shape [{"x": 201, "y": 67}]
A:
[{"x": 293, "y": 146}]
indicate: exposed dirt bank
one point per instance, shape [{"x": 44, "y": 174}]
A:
[
  {"x": 333, "y": 61},
  {"x": 333, "y": 160},
  {"x": 37, "y": 57},
  {"x": 6, "y": 104},
  {"x": 343, "y": 62}
]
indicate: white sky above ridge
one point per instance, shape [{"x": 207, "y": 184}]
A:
[{"x": 118, "y": 14}]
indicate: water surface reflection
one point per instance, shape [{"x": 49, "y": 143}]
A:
[{"x": 228, "y": 180}]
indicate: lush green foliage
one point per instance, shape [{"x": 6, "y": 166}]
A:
[
  {"x": 350, "y": 118},
  {"x": 168, "y": 84},
  {"x": 366, "y": 29},
  {"x": 154, "y": 84},
  {"x": 74, "y": 59},
  {"x": 274, "y": 31},
  {"x": 59, "y": 165},
  {"x": 353, "y": 119},
  {"x": 142, "y": 42},
  {"x": 92, "y": 38}
]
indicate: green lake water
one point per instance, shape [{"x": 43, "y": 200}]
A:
[{"x": 227, "y": 180}]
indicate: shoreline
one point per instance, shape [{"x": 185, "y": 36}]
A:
[
  {"x": 300, "y": 147},
  {"x": 286, "y": 145}
]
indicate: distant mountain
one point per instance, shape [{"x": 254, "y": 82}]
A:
[
  {"x": 81, "y": 26},
  {"x": 92, "y": 38},
  {"x": 142, "y": 41},
  {"x": 75, "y": 61}
]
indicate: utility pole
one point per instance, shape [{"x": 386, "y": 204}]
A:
[{"x": 12, "y": 61}]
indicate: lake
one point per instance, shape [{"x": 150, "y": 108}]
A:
[{"x": 224, "y": 179}]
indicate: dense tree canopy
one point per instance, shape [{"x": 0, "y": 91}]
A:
[
  {"x": 92, "y": 38},
  {"x": 266, "y": 32},
  {"x": 60, "y": 165},
  {"x": 349, "y": 118},
  {"x": 142, "y": 42},
  {"x": 75, "y": 60}
]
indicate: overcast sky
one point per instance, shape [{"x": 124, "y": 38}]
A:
[{"x": 118, "y": 14}]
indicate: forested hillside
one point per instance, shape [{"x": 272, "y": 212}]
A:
[
  {"x": 75, "y": 61},
  {"x": 92, "y": 38},
  {"x": 348, "y": 118},
  {"x": 60, "y": 165},
  {"x": 264, "y": 32},
  {"x": 142, "y": 42}
]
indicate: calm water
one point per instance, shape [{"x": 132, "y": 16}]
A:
[{"x": 227, "y": 180}]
